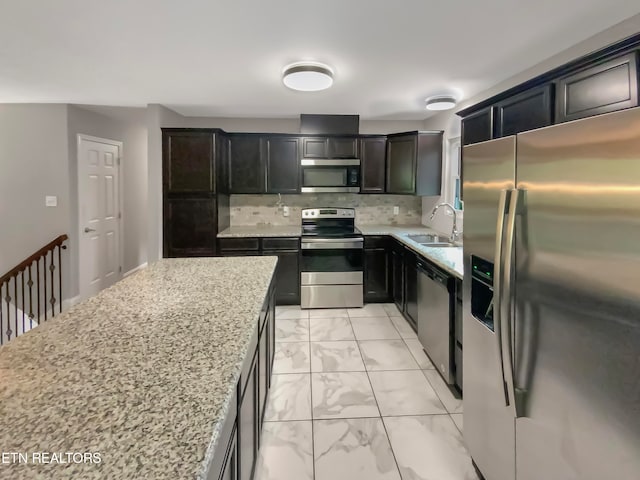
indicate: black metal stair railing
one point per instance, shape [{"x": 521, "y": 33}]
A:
[{"x": 31, "y": 292}]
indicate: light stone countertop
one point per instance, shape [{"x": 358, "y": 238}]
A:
[
  {"x": 448, "y": 258},
  {"x": 248, "y": 231},
  {"x": 143, "y": 373}
]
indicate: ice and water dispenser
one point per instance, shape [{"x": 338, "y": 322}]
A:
[{"x": 482, "y": 290}]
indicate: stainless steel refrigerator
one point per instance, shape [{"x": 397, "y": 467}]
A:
[{"x": 551, "y": 327}]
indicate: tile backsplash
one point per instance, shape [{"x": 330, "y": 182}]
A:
[{"x": 370, "y": 209}]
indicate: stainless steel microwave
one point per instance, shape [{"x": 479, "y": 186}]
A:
[{"x": 330, "y": 175}]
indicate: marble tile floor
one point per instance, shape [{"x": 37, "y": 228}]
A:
[{"x": 354, "y": 397}]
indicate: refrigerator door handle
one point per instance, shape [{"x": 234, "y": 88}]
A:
[
  {"x": 508, "y": 299},
  {"x": 497, "y": 286}
]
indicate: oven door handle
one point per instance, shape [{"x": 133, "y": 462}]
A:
[{"x": 332, "y": 243}]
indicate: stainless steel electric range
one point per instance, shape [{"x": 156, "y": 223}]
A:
[{"x": 332, "y": 259}]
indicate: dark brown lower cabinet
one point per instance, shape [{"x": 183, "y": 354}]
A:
[
  {"x": 230, "y": 466},
  {"x": 287, "y": 249},
  {"x": 397, "y": 276},
  {"x": 411, "y": 288},
  {"x": 287, "y": 276},
  {"x": 248, "y": 425},
  {"x": 377, "y": 269},
  {"x": 237, "y": 461},
  {"x": 263, "y": 372}
]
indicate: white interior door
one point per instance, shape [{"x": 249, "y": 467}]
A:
[{"x": 99, "y": 213}]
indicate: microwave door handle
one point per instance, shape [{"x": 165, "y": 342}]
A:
[{"x": 497, "y": 287}]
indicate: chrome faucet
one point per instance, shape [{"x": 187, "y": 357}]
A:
[{"x": 454, "y": 229}]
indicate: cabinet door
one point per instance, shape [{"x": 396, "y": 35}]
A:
[
  {"x": 230, "y": 466},
  {"x": 190, "y": 227},
  {"x": 429, "y": 164},
  {"x": 222, "y": 163},
  {"x": 343, "y": 147},
  {"x": 478, "y": 126},
  {"x": 282, "y": 165},
  {"x": 376, "y": 275},
  {"x": 373, "y": 153},
  {"x": 411, "y": 288},
  {"x": 188, "y": 161},
  {"x": 401, "y": 164},
  {"x": 263, "y": 374},
  {"x": 248, "y": 426},
  {"x": 606, "y": 87},
  {"x": 525, "y": 111},
  {"x": 287, "y": 277},
  {"x": 246, "y": 164},
  {"x": 315, "y": 147},
  {"x": 398, "y": 278}
]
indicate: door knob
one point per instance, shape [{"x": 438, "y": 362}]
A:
[{"x": 87, "y": 230}]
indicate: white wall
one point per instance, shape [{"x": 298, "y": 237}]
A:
[
  {"x": 292, "y": 125},
  {"x": 442, "y": 222},
  {"x": 157, "y": 118},
  {"x": 124, "y": 125},
  {"x": 450, "y": 122},
  {"x": 34, "y": 162},
  {"x": 624, "y": 29},
  {"x": 253, "y": 125}
]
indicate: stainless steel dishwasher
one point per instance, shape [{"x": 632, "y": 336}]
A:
[{"x": 434, "y": 320}]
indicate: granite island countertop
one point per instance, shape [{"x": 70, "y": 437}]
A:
[
  {"x": 448, "y": 258},
  {"x": 143, "y": 373}
]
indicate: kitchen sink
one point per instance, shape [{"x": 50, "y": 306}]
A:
[
  {"x": 428, "y": 238},
  {"x": 431, "y": 240}
]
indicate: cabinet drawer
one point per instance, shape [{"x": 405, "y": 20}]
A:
[
  {"x": 603, "y": 88},
  {"x": 234, "y": 244},
  {"x": 381, "y": 241},
  {"x": 291, "y": 243}
]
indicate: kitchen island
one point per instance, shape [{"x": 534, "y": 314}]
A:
[{"x": 149, "y": 374}]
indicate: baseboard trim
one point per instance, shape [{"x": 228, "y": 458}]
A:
[
  {"x": 134, "y": 270},
  {"x": 70, "y": 302}
]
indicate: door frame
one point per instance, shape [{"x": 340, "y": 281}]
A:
[{"x": 80, "y": 137}]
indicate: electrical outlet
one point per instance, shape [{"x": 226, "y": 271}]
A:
[
  {"x": 285, "y": 211},
  {"x": 396, "y": 210},
  {"x": 51, "y": 201}
]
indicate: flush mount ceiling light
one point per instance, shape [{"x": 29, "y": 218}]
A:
[
  {"x": 307, "y": 76},
  {"x": 441, "y": 102}
]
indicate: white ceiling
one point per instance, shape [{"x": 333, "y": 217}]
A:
[{"x": 224, "y": 58}]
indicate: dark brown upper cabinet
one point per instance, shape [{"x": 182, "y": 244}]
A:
[
  {"x": 315, "y": 147},
  {"x": 282, "y": 163},
  {"x": 528, "y": 110},
  {"x": 343, "y": 147},
  {"x": 478, "y": 126},
  {"x": 246, "y": 164},
  {"x": 188, "y": 161},
  {"x": 329, "y": 147},
  {"x": 414, "y": 163},
  {"x": 373, "y": 152},
  {"x": 601, "y": 88}
]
